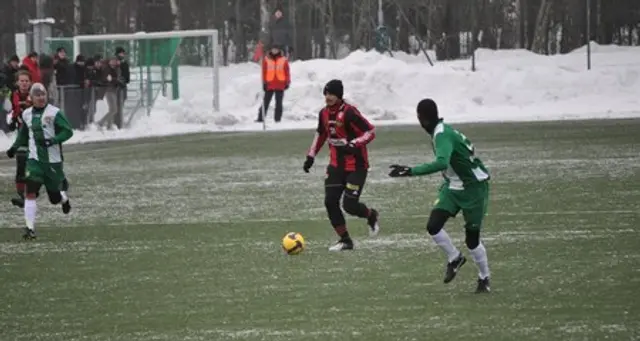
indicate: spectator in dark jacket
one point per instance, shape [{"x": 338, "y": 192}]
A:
[
  {"x": 80, "y": 71},
  {"x": 280, "y": 32},
  {"x": 124, "y": 64},
  {"x": 63, "y": 68},
  {"x": 121, "y": 54},
  {"x": 9, "y": 70},
  {"x": 113, "y": 83}
]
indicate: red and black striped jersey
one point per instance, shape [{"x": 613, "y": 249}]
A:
[
  {"x": 20, "y": 102},
  {"x": 339, "y": 126}
]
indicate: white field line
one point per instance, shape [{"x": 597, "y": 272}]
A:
[
  {"x": 382, "y": 215},
  {"x": 393, "y": 241}
]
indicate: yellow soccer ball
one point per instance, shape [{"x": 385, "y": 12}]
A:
[{"x": 293, "y": 243}]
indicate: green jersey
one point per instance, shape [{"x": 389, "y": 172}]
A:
[
  {"x": 455, "y": 158},
  {"x": 39, "y": 125}
]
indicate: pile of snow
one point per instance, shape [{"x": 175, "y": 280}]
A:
[{"x": 509, "y": 85}]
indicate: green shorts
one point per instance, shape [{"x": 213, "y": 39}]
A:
[
  {"x": 50, "y": 175},
  {"x": 472, "y": 201}
]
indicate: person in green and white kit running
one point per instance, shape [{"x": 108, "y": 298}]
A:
[
  {"x": 465, "y": 188},
  {"x": 44, "y": 129}
]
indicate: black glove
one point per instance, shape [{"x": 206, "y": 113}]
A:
[
  {"x": 46, "y": 143},
  {"x": 351, "y": 148},
  {"x": 11, "y": 153},
  {"x": 13, "y": 126},
  {"x": 308, "y": 163},
  {"x": 286, "y": 87},
  {"x": 399, "y": 170},
  {"x": 264, "y": 87}
]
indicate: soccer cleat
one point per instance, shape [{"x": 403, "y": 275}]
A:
[
  {"x": 453, "y": 267},
  {"x": 372, "y": 221},
  {"x": 18, "y": 202},
  {"x": 66, "y": 207},
  {"x": 483, "y": 286},
  {"x": 29, "y": 234},
  {"x": 342, "y": 245}
]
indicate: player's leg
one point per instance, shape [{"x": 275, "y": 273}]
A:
[
  {"x": 333, "y": 189},
  {"x": 21, "y": 164},
  {"x": 444, "y": 208},
  {"x": 351, "y": 202},
  {"x": 262, "y": 111},
  {"x": 34, "y": 180},
  {"x": 54, "y": 182},
  {"x": 475, "y": 209},
  {"x": 278, "y": 111}
]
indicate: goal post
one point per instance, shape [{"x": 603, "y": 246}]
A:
[{"x": 156, "y": 60}]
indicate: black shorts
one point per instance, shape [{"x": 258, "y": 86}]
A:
[
  {"x": 21, "y": 165},
  {"x": 352, "y": 182}
]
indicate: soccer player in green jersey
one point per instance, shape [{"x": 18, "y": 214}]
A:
[
  {"x": 43, "y": 131},
  {"x": 465, "y": 188}
]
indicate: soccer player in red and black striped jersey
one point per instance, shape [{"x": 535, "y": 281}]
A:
[{"x": 347, "y": 133}]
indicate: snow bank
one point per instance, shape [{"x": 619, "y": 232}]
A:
[{"x": 509, "y": 85}]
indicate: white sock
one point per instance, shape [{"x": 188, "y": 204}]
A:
[
  {"x": 479, "y": 255},
  {"x": 64, "y": 196},
  {"x": 30, "y": 209},
  {"x": 443, "y": 240}
]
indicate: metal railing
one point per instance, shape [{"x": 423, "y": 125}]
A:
[{"x": 81, "y": 108}]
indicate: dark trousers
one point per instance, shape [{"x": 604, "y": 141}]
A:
[
  {"x": 349, "y": 183},
  {"x": 267, "y": 100}
]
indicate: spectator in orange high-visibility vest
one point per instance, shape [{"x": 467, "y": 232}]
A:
[{"x": 275, "y": 80}]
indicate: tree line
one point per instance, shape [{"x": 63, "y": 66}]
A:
[{"x": 321, "y": 27}]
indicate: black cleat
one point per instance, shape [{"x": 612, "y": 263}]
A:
[
  {"x": 18, "y": 202},
  {"x": 66, "y": 207},
  {"x": 341, "y": 245},
  {"x": 483, "y": 286},
  {"x": 453, "y": 267},
  {"x": 372, "y": 221},
  {"x": 29, "y": 234}
]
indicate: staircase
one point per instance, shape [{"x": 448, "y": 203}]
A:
[
  {"x": 137, "y": 101},
  {"x": 134, "y": 100}
]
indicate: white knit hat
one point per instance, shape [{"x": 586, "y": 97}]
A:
[{"x": 37, "y": 88}]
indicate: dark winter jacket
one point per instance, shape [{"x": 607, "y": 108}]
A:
[
  {"x": 280, "y": 33},
  {"x": 64, "y": 72},
  {"x": 125, "y": 71},
  {"x": 9, "y": 77}
]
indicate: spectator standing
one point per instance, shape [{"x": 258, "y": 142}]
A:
[
  {"x": 81, "y": 94},
  {"x": 121, "y": 54},
  {"x": 10, "y": 70},
  {"x": 80, "y": 71},
  {"x": 280, "y": 32},
  {"x": 30, "y": 63},
  {"x": 113, "y": 83},
  {"x": 91, "y": 84},
  {"x": 276, "y": 78},
  {"x": 63, "y": 68}
]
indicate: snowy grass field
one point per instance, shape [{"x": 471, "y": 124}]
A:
[{"x": 177, "y": 238}]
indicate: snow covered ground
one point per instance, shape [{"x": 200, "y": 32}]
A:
[{"x": 509, "y": 85}]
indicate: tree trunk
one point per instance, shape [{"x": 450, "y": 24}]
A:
[
  {"x": 294, "y": 28},
  {"x": 77, "y": 17},
  {"x": 542, "y": 28},
  {"x": 175, "y": 12},
  {"x": 239, "y": 40},
  {"x": 264, "y": 22},
  {"x": 8, "y": 29}
]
